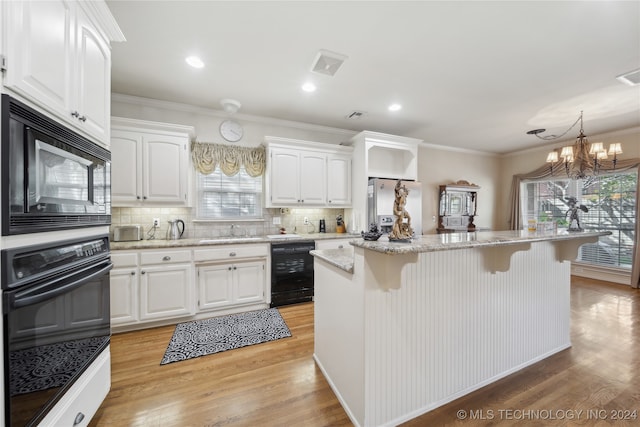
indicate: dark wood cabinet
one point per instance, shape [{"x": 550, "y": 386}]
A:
[{"x": 457, "y": 207}]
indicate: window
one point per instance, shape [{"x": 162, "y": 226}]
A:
[
  {"x": 229, "y": 197},
  {"x": 611, "y": 203}
]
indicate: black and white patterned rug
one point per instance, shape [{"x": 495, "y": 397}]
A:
[{"x": 208, "y": 336}]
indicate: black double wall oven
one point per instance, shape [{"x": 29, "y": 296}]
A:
[{"x": 55, "y": 293}]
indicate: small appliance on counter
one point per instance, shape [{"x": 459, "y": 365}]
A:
[
  {"x": 174, "y": 232},
  {"x": 127, "y": 233},
  {"x": 323, "y": 227}
]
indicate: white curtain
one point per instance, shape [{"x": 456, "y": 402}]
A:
[{"x": 206, "y": 157}]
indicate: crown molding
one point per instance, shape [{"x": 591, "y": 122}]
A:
[{"x": 176, "y": 106}]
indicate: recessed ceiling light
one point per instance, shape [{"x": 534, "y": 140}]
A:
[
  {"x": 395, "y": 107},
  {"x": 194, "y": 61},
  {"x": 309, "y": 87}
]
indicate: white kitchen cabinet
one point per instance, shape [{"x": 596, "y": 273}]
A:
[
  {"x": 298, "y": 177},
  {"x": 59, "y": 60},
  {"x": 124, "y": 288},
  {"x": 338, "y": 180},
  {"x": 303, "y": 173},
  {"x": 149, "y": 163},
  {"x": 334, "y": 243},
  {"x": 223, "y": 285},
  {"x": 166, "y": 291},
  {"x": 231, "y": 275}
]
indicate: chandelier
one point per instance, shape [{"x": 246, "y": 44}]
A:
[{"x": 583, "y": 158}]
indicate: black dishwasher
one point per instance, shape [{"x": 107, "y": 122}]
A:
[{"x": 291, "y": 272}]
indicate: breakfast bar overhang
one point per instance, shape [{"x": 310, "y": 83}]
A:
[{"x": 402, "y": 328}]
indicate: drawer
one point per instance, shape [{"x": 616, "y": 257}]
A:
[
  {"x": 334, "y": 244},
  {"x": 164, "y": 257},
  {"x": 124, "y": 259},
  {"x": 231, "y": 252}
]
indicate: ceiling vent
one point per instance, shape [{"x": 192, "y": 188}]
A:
[
  {"x": 355, "y": 115},
  {"x": 328, "y": 62},
  {"x": 632, "y": 78}
]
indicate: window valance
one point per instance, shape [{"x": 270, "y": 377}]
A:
[{"x": 206, "y": 157}]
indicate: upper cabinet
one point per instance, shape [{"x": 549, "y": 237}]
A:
[
  {"x": 149, "y": 163},
  {"x": 303, "y": 173},
  {"x": 379, "y": 155},
  {"x": 58, "y": 58}
]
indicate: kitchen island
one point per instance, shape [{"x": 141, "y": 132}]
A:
[{"x": 408, "y": 327}]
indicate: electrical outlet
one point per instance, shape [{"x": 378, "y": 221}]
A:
[
  {"x": 276, "y": 220},
  {"x": 156, "y": 222},
  {"x": 306, "y": 220}
]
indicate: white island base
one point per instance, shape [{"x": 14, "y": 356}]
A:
[{"x": 406, "y": 333}]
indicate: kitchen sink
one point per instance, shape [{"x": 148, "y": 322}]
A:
[{"x": 230, "y": 239}]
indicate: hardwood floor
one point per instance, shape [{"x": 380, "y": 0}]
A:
[{"x": 278, "y": 384}]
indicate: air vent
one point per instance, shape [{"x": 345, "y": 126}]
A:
[
  {"x": 632, "y": 78},
  {"x": 355, "y": 115},
  {"x": 328, "y": 62}
]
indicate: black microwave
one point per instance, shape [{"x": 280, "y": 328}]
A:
[{"x": 51, "y": 178}]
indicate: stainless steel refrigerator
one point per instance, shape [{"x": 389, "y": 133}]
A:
[{"x": 380, "y": 199}]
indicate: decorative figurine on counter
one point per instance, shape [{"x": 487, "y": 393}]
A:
[
  {"x": 574, "y": 221},
  {"x": 340, "y": 227},
  {"x": 401, "y": 231},
  {"x": 372, "y": 234}
]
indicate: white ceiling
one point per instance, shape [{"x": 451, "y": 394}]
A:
[{"x": 473, "y": 75}]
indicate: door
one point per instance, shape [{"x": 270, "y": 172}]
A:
[
  {"x": 339, "y": 180},
  {"x": 40, "y": 52},
  {"x": 249, "y": 282},
  {"x": 215, "y": 286},
  {"x": 164, "y": 168},
  {"x": 165, "y": 291},
  {"x": 126, "y": 167},
  {"x": 124, "y": 299},
  {"x": 285, "y": 173},
  {"x": 93, "y": 79},
  {"x": 313, "y": 178}
]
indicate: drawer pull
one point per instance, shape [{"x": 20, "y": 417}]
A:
[
  {"x": 232, "y": 254},
  {"x": 166, "y": 258},
  {"x": 78, "y": 419},
  {"x": 133, "y": 273},
  {"x": 235, "y": 268},
  {"x": 340, "y": 247},
  {"x": 229, "y": 268},
  {"x": 143, "y": 272}
]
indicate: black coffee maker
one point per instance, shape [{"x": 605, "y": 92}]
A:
[{"x": 322, "y": 228}]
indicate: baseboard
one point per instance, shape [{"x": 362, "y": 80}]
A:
[
  {"x": 614, "y": 275},
  {"x": 336, "y": 392}
]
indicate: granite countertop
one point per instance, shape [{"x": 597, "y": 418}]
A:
[
  {"x": 452, "y": 241},
  {"x": 341, "y": 258},
  {"x": 213, "y": 241}
]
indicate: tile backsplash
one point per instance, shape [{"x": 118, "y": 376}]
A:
[{"x": 293, "y": 222}]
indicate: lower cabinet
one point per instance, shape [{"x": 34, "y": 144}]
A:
[
  {"x": 165, "y": 291},
  {"x": 222, "y": 284},
  {"x": 153, "y": 285}
]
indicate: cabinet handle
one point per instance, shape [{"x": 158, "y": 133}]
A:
[
  {"x": 138, "y": 197},
  {"x": 232, "y": 254},
  {"x": 166, "y": 258},
  {"x": 340, "y": 247},
  {"x": 78, "y": 419},
  {"x": 75, "y": 114},
  {"x": 302, "y": 200},
  {"x": 235, "y": 268},
  {"x": 82, "y": 119},
  {"x": 229, "y": 268},
  {"x": 143, "y": 272},
  {"x": 144, "y": 197},
  {"x": 133, "y": 273}
]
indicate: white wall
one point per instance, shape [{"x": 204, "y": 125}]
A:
[{"x": 440, "y": 165}]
